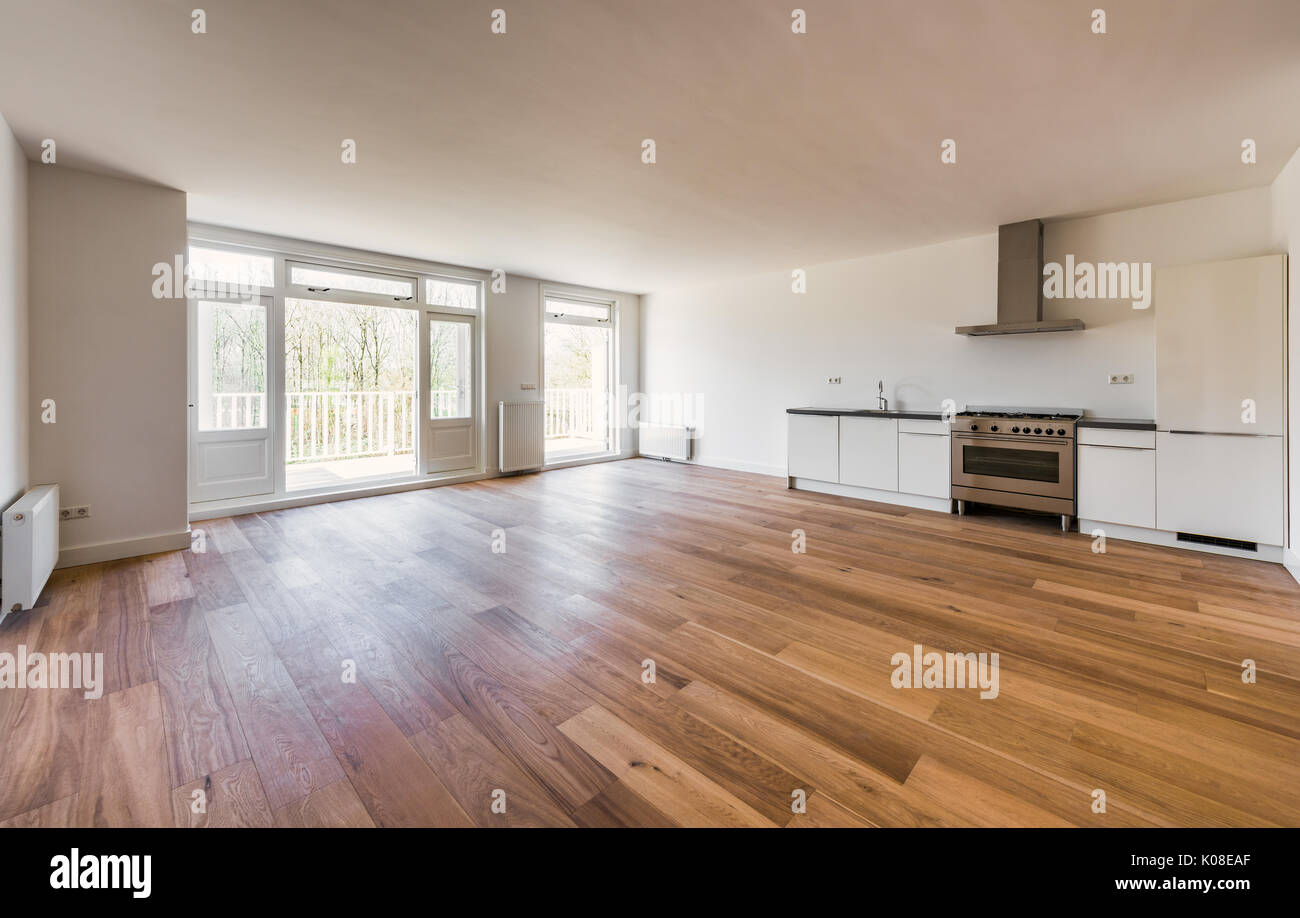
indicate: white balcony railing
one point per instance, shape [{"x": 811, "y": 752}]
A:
[
  {"x": 320, "y": 426},
  {"x": 572, "y": 413}
]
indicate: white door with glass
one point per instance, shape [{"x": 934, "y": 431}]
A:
[
  {"x": 230, "y": 414},
  {"x": 451, "y": 416},
  {"x": 579, "y": 373}
]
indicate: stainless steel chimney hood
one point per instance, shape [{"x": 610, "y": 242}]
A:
[{"x": 1020, "y": 285}]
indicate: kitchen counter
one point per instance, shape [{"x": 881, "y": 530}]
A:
[
  {"x": 870, "y": 413},
  {"x": 1117, "y": 423}
]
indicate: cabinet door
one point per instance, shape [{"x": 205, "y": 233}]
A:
[
  {"x": 869, "y": 453},
  {"x": 1118, "y": 485},
  {"x": 923, "y": 464},
  {"x": 813, "y": 450},
  {"x": 1221, "y": 339},
  {"x": 1230, "y": 487}
]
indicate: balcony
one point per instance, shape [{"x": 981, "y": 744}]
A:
[{"x": 340, "y": 438}]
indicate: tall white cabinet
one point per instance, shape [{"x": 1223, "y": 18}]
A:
[{"x": 1221, "y": 399}]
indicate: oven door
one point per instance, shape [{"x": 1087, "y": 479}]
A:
[{"x": 1042, "y": 467}]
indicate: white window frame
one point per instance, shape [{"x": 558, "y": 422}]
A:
[
  {"x": 343, "y": 295},
  {"x": 561, "y": 294},
  {"x": 285, "y": 252}
]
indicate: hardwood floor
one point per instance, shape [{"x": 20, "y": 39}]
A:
[{"x": 517, "y": 676}]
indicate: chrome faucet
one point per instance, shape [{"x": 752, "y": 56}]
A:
[{"x": 880, "y": 395}]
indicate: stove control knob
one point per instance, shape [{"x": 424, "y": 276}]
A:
[
  {"x": 974, "y": 427},
  {"x": 994, "y": 428},
  {"x": 1015, "y": 430},
  {"x": 1061, "y": 431},
  {"x": 1038, "y": 430}
]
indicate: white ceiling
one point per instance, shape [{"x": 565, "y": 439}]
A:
[{"x": 775, "y": 150}]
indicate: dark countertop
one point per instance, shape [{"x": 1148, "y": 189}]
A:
[
  {"x": 1117, "y": 423},
  {"x": 871, "y": 413}
]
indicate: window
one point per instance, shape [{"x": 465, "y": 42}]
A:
[
  {"x": 230, "y": 268},
  {"x": 573, "y": 309},
  {"x": 312, "y": 373},
  {"x": 450, "y": 362},
  {"x": 318, "y": 279},
  {"x": 231, "y": 372},
  {"x": 449, "y": 293}
]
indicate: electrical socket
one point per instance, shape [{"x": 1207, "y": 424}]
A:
[
  {"x": 74, "y": 513},
  {"x": 1121, "y": 379},
  {"x": 834, "y": 380}
]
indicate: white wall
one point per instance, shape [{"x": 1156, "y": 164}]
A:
[
  {"x": 1286, "y": 234},
  {"x": 14, "y": 430},
  {"x": 752, "y": 348},
  {"x": 111, "y": 356}
]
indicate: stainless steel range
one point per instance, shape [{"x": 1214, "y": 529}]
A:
[{"x": 1015, "y": 457}]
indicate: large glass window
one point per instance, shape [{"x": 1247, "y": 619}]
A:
[
  {"x": 349, "y": 388},
  {"x": 310, "y": 371}
]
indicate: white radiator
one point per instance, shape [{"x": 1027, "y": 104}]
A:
[
  {"x": 665, "y": 442},
  {"x": 29, "y": 535},
  {"x": 520, "y": 440}
]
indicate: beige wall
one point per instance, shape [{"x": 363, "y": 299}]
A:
[
  {"x": 753, "y": 348},
  {"x": 111, "y": 356},
  {"x": 14, "y": 431}
]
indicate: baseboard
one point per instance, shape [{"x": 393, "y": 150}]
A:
[
  {"x": 1270, "y": 553},
  {"x": 919, "y": 501},
  {"x": 1291, "y": 561},
  {"x": 127, "y": 548},
  {"x": 735, "y": 465}
]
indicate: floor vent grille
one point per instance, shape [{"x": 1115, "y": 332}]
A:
[{"x": 1215, "y": 540}]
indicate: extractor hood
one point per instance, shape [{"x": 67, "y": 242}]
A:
[{"x": 1020, "y": 285}]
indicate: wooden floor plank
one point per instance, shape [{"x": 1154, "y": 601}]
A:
[
  {"x": 231, "y": 797},
  {"x": 480, "y": 775},
  {"x": 124, "y": 777},
  {"x": 200, "y": 723},
  {"x": 291, "y": 755}
]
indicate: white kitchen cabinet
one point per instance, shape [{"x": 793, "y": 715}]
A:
[
  {"x": 1221, "y": 339},
  {"x": 1117, "y": 485},
  {"x": 1231, "y": 487},
  {"x": 869, "y": 452},
  {"x": 923, "y": 464},
  {"x": 813, "y": 447}
]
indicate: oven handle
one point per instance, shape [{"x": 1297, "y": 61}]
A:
[{"x": 1034, "y": 441}]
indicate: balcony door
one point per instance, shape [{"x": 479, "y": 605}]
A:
[
  {"x": 451, "y": 419},
  {"x": 230, "y": 421},
  {"x": 578, "y": 369}
]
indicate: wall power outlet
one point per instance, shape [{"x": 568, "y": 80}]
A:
[
  {"x": 834, "y": 380},
  {"x": 74, "y": 513},
  {"x": 1121, "y": 379}
]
